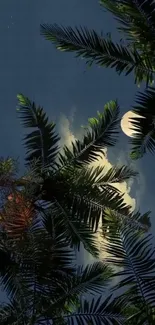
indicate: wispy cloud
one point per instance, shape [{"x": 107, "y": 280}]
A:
[
  {"x": 64, "y": 127},
  {"x": 140, "y": 189}
]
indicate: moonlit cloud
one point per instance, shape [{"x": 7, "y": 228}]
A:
[
  {"x": 67, "y": 136},
  {"x": 64, "y": 127}
]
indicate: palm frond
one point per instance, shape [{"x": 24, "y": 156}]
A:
[
  {"x": 142, "y": 218},
  {"x": 101, "y": 132},
  {"x": 86, "y": 199},
  {"x": 11, "y": 282},
  {"x": 89, "y": 280},
  {"x": 8, "y": 174},
  {"x": 8, "y": 315},
  {"x": 97, "y": 312},
  {"x": 41, "y": 144},
  {"x": 144, "y": 140},
  {"x": 52, "y": 256},
  {"x": 88, "y": 44},
  {"x": 15, "y": 312},
  {"x": 94, "y": 278},
  {"x": 75, "y": 232},
  {"x": 115, "y": 174},
  {"x": 112, "y": 221},
  {"x": 136, "y": 18},
  {"x": 8, "y": 170},
  {"x": 96, "y": 206},
  {"x": 88, "y": 178},
  {"x": 8, "y": 269},
  {"x": 17, "y": 215},
  {"x": 37, "y": 260},
  {"x": 135, "y": 254},
  {"x": 101, "y": 177}
]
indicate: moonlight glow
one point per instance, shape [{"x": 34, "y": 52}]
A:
[{"x": 126, "y": 124}]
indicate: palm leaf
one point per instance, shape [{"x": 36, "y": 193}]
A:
[
  {"x": 137, "y": 23},
  {"x": 86, "y": 198},
  {"x": 88, "y": 44},
  {"x": 41, "y": 144},
  {"x": 112, "y": 222},
  {"x": 8, "y": 170},
  {"x": 87, "y": 201},
  {"x": 73, "y": 230},
  {"x": 144, "y": 140},
  {"x": 17, "y": 214},
  {"x": 100, "y": 133},
  {"x": 9, "y": 270},
  {"x": 8, "y": 315},
  {"x": 134, "y": 253},
  {"x": 16, "y": 311},
  {"x": 49, "y": 251},
  {"x": 12, "y": 282},
  {"x": 89, "y": 280},
  {"x": 101, "y": 177},
  {"x": 97, "y": 312},
  {"x": 86, "y": 179},
  {"x": 115, "y": 174},
  {"x": 136, "y": 17},
  {"x": 95, "y": 277},
  {"x": 37, "y": 260}
]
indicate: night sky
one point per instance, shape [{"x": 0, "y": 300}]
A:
[{"x": 62, "y": 84}]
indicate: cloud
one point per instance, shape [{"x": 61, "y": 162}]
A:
[
  {"x": 67, "y": 136},
  {"x": 140, "y": 189},
  {"x": 64, "y": 126}
]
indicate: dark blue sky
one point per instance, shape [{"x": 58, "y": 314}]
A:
[{"x": 59, "y": 82}]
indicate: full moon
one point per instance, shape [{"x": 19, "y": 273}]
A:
[{"x": 126, "y": 124}]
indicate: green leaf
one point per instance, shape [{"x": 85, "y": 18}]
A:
[
  {"x": 135, "y": 254},
  {"x": 88, "y": 44},
  {"x": 97, "y": 312},
  {"x": 100, "y": 133},
  {"x": 93, "y": 279},
  {"x": 115, "y": 174},
  {"x": 42, "y": 143},
  {"x": 8, "y": 314},
  {"x": 74, "y": 231},
  {"x": 144, "y": 140},
  {"x": 136, "y": 23}
]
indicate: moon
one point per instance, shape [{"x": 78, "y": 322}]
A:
[{"x": 126, "y": 124}]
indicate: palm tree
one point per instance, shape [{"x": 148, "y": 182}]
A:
[
  {"x": 78, "y": 193},
  {"x": 49, "y": 212},
  {"x": 135, "y": 52}
]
